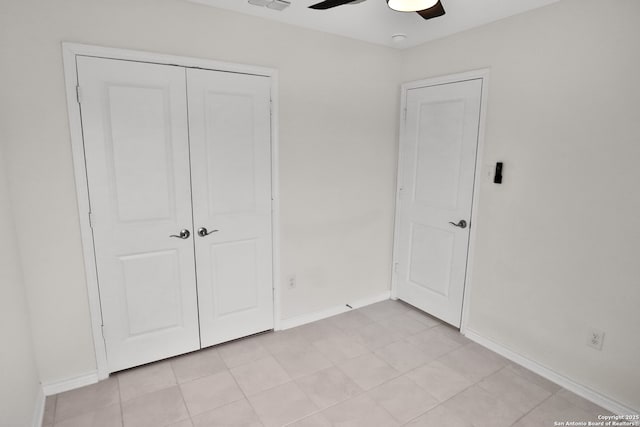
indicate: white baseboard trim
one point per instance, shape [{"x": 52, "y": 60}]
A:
[
  {"x": 60, "y": 386},
  {"x": 362, "y": 302},
  {"x": 56, "y": 387},
  {"x": 38, "y": 410},
  {"x": 579, "y": 389},
  {"x": 323, "y": 314}
]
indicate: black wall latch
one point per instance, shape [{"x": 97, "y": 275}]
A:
[{"x": 497, "y": 178}]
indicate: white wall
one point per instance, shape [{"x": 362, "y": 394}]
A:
[
  {"x": 338, "y": 101},
  {"x": 558, "y": 241},
  {"x": 19, "y": 385}
]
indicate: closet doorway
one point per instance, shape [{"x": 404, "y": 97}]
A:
[{"x": 178, "y": 179}]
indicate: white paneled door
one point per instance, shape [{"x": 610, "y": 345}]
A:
[
  {"x": 165, "y": 289},
  {"x": 437, "y": 168},
  {"x": 136, "y": 138},
  {"x": 229, "y": 122}
]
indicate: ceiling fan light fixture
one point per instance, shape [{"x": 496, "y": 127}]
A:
[
  {"x": 411, "y": 5},
  {"x": 279, "y": 5}
]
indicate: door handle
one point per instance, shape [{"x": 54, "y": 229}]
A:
[
  {"x": 184, "y": 234},
  {"x": 202, "y": 232},
  {"x": 462, "y": 223}
]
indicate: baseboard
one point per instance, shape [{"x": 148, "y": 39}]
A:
[
  {"x": 56, "y": 387},
  {"x": 323, "y": 314},
  {"x": 60, "y": 386},
  {"x": 38, "y": 410},
  {"x": 579, "y": 389}
]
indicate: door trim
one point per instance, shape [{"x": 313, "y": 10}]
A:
[
  {"x": 69, "y": 53},
  {"x": 482, "y": 74}
]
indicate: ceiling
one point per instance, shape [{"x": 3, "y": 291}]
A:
[{"x": 374, "y": 22}]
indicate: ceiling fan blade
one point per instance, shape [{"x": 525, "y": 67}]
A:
[
  {"x": 328, "y": 4},
  {"x": 433, "y": 12}
]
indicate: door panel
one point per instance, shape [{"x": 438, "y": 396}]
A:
[
  {"x": 437, "y": 158},
  {"x": 438, "y": 155},
  {"x": 233, "y": 274},
  {"x": 430, "y": 258},
  {"x": 152, "y": 300},
  {"x": 140, "y": 152},
  {"x": 229, "y": 123},
  {"x": 229, "y": 118},
  {"x": 134, "y": 118}
]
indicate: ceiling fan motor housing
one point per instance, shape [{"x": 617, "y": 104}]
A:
[{"x": 427, "y": 9}]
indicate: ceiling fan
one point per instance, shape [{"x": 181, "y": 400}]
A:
[{"x": 433, "y": 9}]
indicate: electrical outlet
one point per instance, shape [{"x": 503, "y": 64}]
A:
[
  {"x": 291, "y": 281},
  {"x": 595, "y": 339}
]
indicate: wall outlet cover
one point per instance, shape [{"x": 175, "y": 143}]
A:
[
  {"x": 595, "y": 339},
  {"x": 291, "y": 281}
]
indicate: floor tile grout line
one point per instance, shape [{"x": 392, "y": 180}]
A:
[
  {"x": 291, "y": 379},
  {"x": 179, "y": 386},
  {"x": 351, "y": 334},
  {"x": 84, "y": 411},
  {"x": 55, "y": 408},
  {"x": 532, "y": 409},
  {"x": 217, "y": 350},
  {"x": 459, "y": 392},
  {"x": 362, "y": 392},
  {"x": 120, "y": 401},
  {"x": 561, "y": 389},
  {"x": 441, "y": 403},
  {"x": 551, "y": 394},
  {"x": 491, "y": 393},
  {"x": 346, "y": 330},
  {"x": 365, "y": 392},
  {"x": 191, "y": 416},
  {"x": 246, "y": 397},
  {"x": 274, "y": 355},
  {"x": 511, "y": 363}
]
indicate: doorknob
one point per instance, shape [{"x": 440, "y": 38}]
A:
[
  {"x": 202, "y": 232},
  {"x": 462, "y": 223},
  {"x": 184, "y": 234}
]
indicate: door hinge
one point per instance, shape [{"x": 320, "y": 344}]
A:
[
  {"x": 405, "y": 114},
  {"x": 395, "y": 267},
  {"x": 91, "y": 220},
  {"x": 79, "y": 94}
]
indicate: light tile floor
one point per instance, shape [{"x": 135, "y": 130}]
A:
[{"x": 387, "y": 364}]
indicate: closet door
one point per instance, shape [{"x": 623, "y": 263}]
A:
[
  {"x": 134, "y": 119},
  {"x": 230, "y": 135}
]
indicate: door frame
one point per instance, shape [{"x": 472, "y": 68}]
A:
[
  {"x": 482, "y": 74},
  {"x": 69, "y": 53}
]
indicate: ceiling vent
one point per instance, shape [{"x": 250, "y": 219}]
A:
[{"x": 271, "y": 4}]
